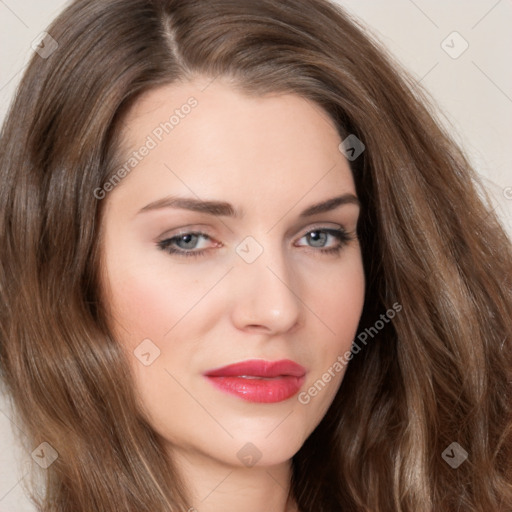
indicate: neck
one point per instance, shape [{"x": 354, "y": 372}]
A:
[{"x": 217, "y": 487}]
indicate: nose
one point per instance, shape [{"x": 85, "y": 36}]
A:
[{"x": 265, "y": 299}]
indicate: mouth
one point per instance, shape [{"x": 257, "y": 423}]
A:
[{"x": 258, "y": 380}]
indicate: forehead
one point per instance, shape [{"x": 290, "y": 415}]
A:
[
  {"x": 206, "y": 138},
  {"x": 217, "y": 111}
]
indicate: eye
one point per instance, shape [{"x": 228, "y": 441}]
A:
[
  {"x": 323, "y": 238},
  {"x": 184, "y": 244}
]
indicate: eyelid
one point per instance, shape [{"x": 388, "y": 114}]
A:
[
  {"x": 320, "y": 225},
  {"x": 185, "y": 230}
]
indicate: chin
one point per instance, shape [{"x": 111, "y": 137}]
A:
[{"x": 266, "y": 446}]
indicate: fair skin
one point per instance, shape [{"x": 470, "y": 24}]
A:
[{"x": 271, "y": 158}]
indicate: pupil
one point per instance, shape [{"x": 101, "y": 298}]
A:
[
  {"x": 318, "y": 238},
  {"x": 188, "y": 241}
]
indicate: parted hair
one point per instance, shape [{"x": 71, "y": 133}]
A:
[{"x": 439, "y": 373}]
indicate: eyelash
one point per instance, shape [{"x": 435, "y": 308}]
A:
[{"x": 341, "y": 235}]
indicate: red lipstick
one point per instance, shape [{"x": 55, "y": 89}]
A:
[{"x": 259, "y": 381}]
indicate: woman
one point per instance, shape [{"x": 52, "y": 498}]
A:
[{"x": 243, "y": 267}]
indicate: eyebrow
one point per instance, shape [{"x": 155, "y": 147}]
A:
[{"x": 221, "y": 208}]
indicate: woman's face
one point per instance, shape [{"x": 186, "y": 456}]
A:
[{"x": 231, "y": 238}]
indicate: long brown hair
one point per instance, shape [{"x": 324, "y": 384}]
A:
[{"x": 440, "y": 373}]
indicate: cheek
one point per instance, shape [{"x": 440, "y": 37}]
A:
[
  {"x": 148, "y": 300},
  {"x": 140, "y": 309},
  {"x": 338, "y": 306},
  {"x": 153, "y": 314},
  {"x": 339, "y": 303}
]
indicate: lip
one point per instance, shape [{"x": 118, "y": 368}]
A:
[{"x": 260, "y": 381}]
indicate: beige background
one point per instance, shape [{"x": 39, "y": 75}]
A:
[{"x": 473, "y": 91}]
